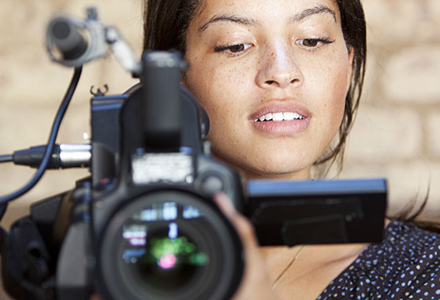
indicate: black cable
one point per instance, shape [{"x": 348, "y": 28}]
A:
[
  {"x": 5, "y": 158},
  {"x": 50, "y": 144}
]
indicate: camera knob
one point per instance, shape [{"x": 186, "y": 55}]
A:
[{"x": 212, "y": 184}]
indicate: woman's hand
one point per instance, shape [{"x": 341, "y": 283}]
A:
[{"x": 256, "y": 282}]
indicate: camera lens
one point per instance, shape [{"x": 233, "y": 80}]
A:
[
  {"x": 166, "y": 263},
  {"x": 170, "y": 245}
]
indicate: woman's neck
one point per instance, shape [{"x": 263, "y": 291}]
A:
[{"x": 313, "y": 269}]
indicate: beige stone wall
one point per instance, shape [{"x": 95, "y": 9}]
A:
[
  {"x": 396, "y": 135},
  {"x": 397, "y": 132}
]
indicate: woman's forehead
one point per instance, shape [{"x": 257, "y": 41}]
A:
[
  {"x": 260, "y": 5},
  {"x": 260, "y": 9}
]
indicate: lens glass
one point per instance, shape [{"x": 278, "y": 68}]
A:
[{"x": 159, "y": 248}]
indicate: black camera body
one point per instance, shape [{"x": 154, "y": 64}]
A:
[{"x": 150, "y": 182}]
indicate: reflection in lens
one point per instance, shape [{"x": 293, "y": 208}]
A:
[
  {"x": 167, "y": 261},
  {"x": 157, "y": 251}
]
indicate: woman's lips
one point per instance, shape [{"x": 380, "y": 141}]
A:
[
  {"x": 282, "y": 127},
  {"x": 281, "y": 118}
]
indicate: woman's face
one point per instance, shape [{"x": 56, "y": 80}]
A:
[{"x": 273, "y": 76}]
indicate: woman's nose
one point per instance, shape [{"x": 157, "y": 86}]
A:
[{"x": 279, "y": 68}]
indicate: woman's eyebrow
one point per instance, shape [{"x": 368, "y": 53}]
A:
[
  {"x": 228, "y": 18},
  {"x": 247, "y": 21},
  {"x": 313, "y": 11}
]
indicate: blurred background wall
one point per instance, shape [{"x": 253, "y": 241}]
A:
[
  {"x": 396, "y": 134},
  {"x": 397, "y": 131}
]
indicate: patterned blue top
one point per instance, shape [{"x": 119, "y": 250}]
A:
[{"x": 406, "y": 265}]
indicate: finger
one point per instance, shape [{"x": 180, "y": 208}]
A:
[
  {"x": 225, "y": 204},
  {"x": 95, "y": 297},
  {"x": 256, "y": 281},
  {"x": 241, "y": 224}
]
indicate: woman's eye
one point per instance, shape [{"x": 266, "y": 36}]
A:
[
  {"x": 233, "y": 49},
  {"x": 314, "y": 43}
]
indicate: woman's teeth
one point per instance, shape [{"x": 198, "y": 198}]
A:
[{"x": 281, "y": 116}]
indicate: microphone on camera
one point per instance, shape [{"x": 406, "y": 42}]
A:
[
  {"x": 67, "y": 38},
  {"x": 73, "y": 42}
]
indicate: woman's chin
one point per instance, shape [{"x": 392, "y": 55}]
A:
[
  {"x": 272, "y": 171},
  {"x": 279, "y": 166}
]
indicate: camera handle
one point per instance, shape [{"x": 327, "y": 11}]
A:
[{"x": 25, "y": 262}]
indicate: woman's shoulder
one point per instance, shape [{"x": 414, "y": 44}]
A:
[
  {"x": 405, "y": 243},
  {"x": 406, "y": 263},
  {"x": 405, "y": 248}
]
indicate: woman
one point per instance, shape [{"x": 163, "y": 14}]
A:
[{"x": 280, "y": 81}]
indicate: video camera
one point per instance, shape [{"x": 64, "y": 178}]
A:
[{"x": 144, "y": 225}]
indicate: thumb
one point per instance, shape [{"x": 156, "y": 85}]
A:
[{"x": 242, "y": 225}]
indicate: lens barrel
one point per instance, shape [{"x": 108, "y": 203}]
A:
[{"x": 170, "y": 245}]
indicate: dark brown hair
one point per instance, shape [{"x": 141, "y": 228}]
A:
[{"x": 166, "y": 23}]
